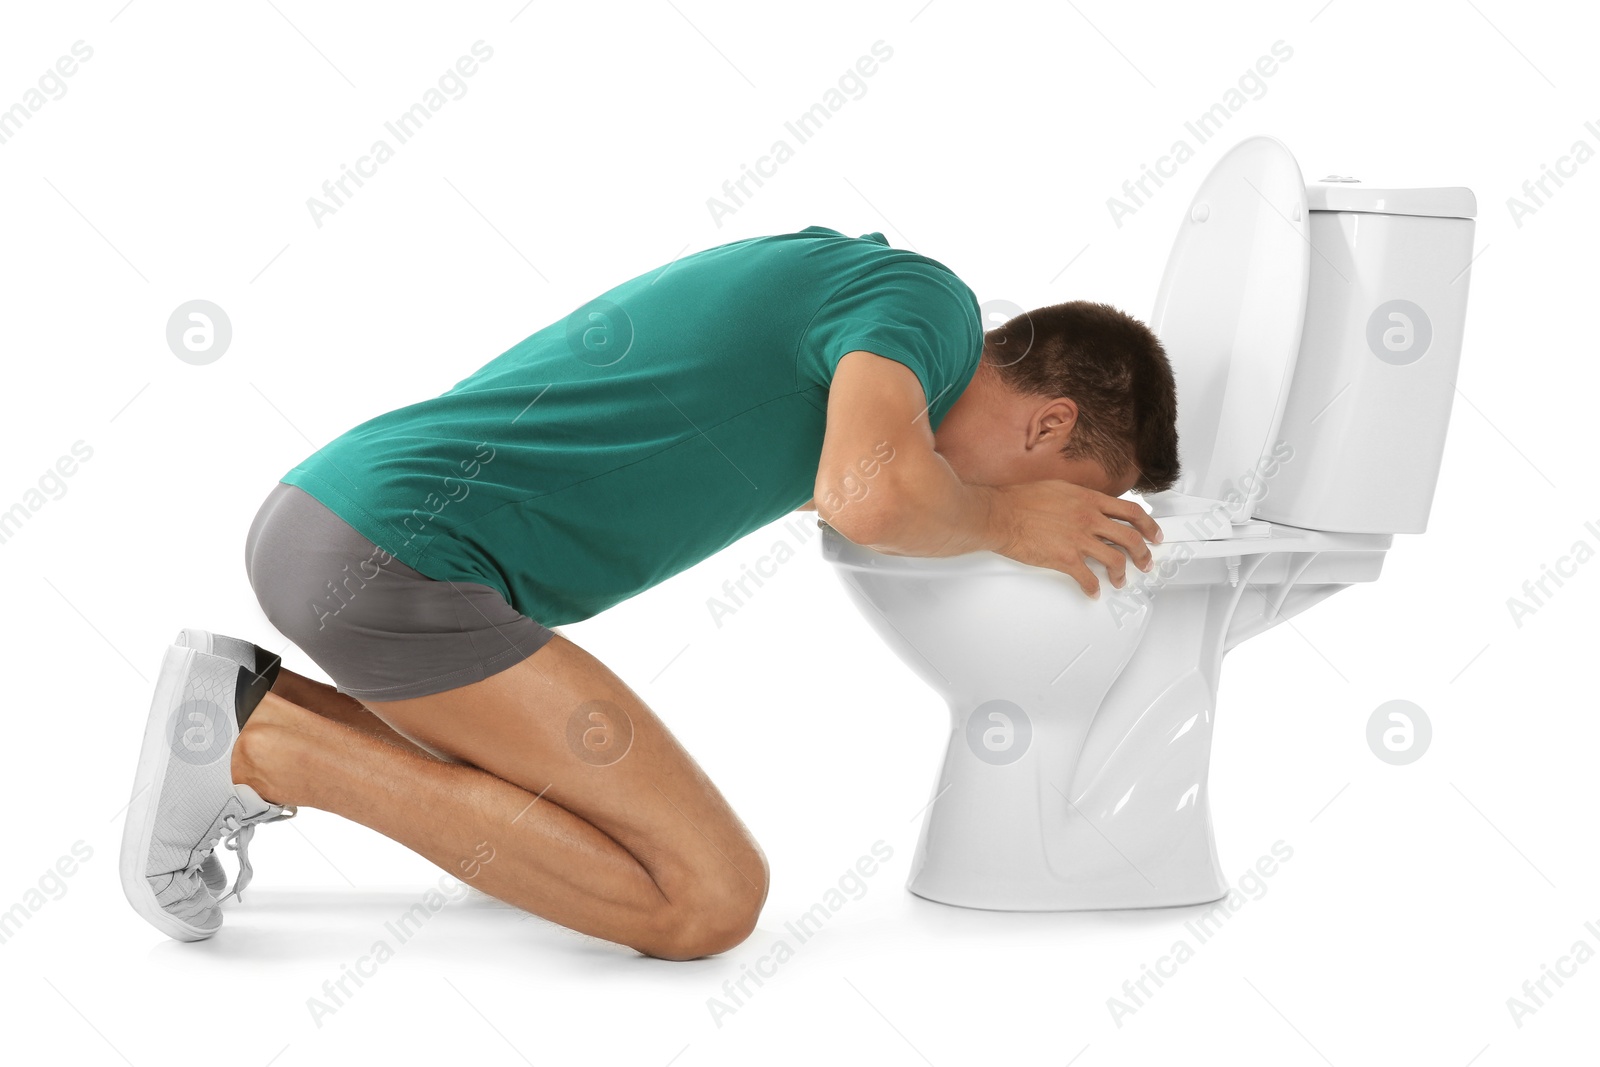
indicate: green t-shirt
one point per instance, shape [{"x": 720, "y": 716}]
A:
[{"x": 653, "y": 427}]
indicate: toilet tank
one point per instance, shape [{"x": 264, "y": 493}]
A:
[{"x": 1370, "y": 398}]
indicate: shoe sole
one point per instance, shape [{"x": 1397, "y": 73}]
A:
[{"x": 154, "y": 755}]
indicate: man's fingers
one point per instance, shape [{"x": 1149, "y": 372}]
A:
[
  {"x": 1074, "y": 567},
  {"x": 1116, "y": 563},
  {"x": 1135, "y": 516},
  {"x": 1128, "y": 539}
]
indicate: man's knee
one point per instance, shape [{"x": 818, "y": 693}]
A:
[{"x": 713, "y": 911}]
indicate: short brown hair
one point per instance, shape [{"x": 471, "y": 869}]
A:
[{"x": 1114, "y": 368}]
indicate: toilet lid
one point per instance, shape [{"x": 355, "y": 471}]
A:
[{"x": 1229, "y": 313}]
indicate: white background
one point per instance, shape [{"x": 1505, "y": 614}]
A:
[{"x": 177, "y": 166}]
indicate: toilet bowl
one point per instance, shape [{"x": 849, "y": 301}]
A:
[{"x": 1314, "y": 333}]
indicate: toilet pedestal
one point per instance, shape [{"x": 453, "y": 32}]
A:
[
  {"x": 1076, "y": 778},
  {"x": 1107, "y": 804}
]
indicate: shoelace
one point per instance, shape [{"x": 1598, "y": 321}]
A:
[{"x": 238, "y": 834}]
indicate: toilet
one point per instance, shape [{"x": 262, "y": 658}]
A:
[{"x": 1314, "y": 332}]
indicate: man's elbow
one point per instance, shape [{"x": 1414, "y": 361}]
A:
[{"x": 873, "y": 514}]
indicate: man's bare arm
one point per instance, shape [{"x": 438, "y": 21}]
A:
[{"x": 881, "y": 484}]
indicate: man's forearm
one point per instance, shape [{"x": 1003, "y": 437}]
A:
[{"x": 917, "y": 506}]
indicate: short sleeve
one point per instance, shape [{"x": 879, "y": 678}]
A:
[{"x": 914, "y": 313}]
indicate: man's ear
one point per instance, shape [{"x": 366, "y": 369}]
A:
[{"x": 1052, "y": 423}]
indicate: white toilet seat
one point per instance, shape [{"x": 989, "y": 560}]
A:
[
  {"x": 1363, "y": 553},
  {"x": 1191, "y": 518}
]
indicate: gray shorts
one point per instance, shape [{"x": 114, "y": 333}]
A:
[{"x": 381, "y": 630}]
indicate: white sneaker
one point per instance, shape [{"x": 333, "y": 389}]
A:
[
  {"x": 184, "y": 798},
  {"x": 264, "y": 666}
]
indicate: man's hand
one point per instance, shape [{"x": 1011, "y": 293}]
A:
[{"x": 1063, "y": 526}]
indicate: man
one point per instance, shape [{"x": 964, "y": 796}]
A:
[{"x": 421, "y": 558}]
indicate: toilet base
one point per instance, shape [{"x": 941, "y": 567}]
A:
[
  {"x": 1007, "y": 838},
  {"x": 1084, "y": 904}
]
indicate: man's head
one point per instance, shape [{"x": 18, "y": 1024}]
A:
[{"x": 1079, "y": 392}]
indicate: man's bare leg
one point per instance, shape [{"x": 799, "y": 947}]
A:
[
  {"x": 342, "y": 708},
  {"x": 595, "y": 817}
]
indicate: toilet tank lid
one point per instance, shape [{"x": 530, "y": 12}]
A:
[{"x": 1348, "y": 194}]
